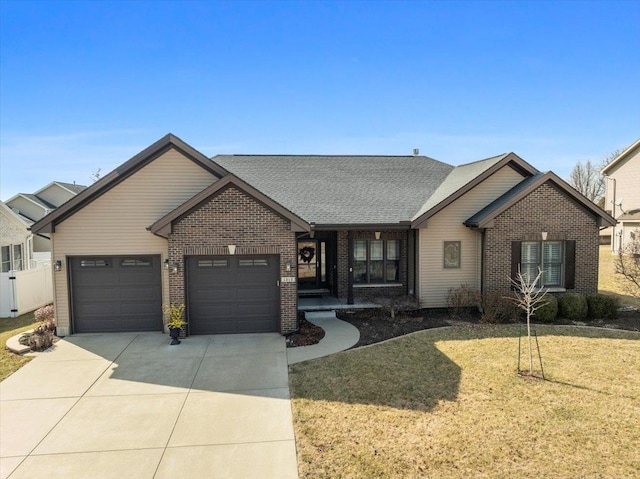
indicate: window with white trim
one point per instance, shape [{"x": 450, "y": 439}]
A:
[
  {"x": 11, "y": 257},
  {"x": 6, "y": 259},
  {"x": 376, "y": 261}
]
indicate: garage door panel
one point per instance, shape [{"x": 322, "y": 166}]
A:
[
  {"x": 241, "y": 295},
  {"x": 112, "y": 294},
  {"x": 255, "y": 310},
  {"x": 213, "y": 294},
  {"x": 257, "y": 293},
  {"x": 139, "y": 293},
  {"x": 97, "y": 294},
  {"x": 96, "y": 310},
  {"x": 213, "y": 310},
  {"x": 255, "y": 325},
  {"x": 139, "y": 308},
  {"x": 90, "y": 278}
]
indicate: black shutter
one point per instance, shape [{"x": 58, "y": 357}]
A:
[
  {"x": 516, "y": 252},
  {"x": 570, "y": 264}
]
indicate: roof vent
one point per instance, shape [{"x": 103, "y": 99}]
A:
[{"x": 416, "y": 152}]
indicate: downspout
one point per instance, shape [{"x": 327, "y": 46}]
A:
[
  {"x": 483, "y": 234},
  {"x": 613, "y": 213}
]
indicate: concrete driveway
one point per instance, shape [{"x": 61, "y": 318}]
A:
[{"x": 131, "y": 406}]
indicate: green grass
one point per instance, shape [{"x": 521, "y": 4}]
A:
[
  {"x": 448, "y": 403},
  {"x": 9, "y": 362},
  {"x": 611, "y": 283}
]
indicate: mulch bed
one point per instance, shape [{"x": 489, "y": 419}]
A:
[
  {"x": 375, "y": 325},
  {"x": 307, "y": 334}
]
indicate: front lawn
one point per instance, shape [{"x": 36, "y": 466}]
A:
[
  {"x": 448, "y": 403},
  {"x": 9, "y": 362},
  {"x": 611, "y": 283}
]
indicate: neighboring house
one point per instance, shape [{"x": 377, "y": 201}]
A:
[
  {"x": 622, "y": 197},
  {"x": 21, "y": 250},
  {"x": 237, "y": 238}
]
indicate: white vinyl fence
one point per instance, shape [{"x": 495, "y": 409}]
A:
[{"x": 24, "y": 291}]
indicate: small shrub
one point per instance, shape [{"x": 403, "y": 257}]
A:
[
  {"x": 460, "y": 300},
  {"x": 42, "y": 336},
  {"x": 498, "y": 308},
  {"x": 398, "y": 304},
  {"x": 601, "y": 307},
  {"x": 573, "y": 306},
  {"x": 46, "y": 313},
  {"x": 174, "y": 315},
  {"x": 548, "y": 312}
]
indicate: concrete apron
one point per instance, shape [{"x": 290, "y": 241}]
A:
[{"x": 131, "y": 406}]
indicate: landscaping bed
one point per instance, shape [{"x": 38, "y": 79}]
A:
[{"x": 376, "y": 325}]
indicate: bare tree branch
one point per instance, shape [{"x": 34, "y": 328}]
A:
[
  {"x": 627, "y": 264},
  {"x": 586, "y": 177},
  {"x": 530, "y": 298}
]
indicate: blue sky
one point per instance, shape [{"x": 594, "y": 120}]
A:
[{"x": 87, "y": 85}]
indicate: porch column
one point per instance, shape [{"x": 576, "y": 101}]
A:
[{"x": 350, "y": 266}]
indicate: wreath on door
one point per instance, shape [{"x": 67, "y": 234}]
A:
[{"x": 307, "y": 253}]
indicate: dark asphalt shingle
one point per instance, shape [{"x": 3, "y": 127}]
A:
[{"x": 342, "y": 189}]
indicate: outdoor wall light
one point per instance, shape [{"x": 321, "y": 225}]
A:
[
  {"x": 175, "y": 267},
  {"x": 232, "y": 249},
  {"x": 377, "y": 233},
  {"x": 287, "y": 265},
  {"x": 544, "y": 236},
  {"x": 166, "y": 264},
  {"x": 58, "y": 265}
]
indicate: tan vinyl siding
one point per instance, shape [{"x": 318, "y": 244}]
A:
[
  {"x": 627, "y": 179},
  {"x": 622, "y": 184},
  {"x": 116, "y": 222},
  {"x": 435, "y": 280}
]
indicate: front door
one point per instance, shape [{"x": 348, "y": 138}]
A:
[{"x": 312, "y": 259}]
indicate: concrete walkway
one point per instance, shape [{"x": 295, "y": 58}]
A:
[
  {"x": 338, "y": 336},
  {"x": 131, "y": 406}
]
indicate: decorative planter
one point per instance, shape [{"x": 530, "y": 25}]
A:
[{"x": 173, "y": 334}]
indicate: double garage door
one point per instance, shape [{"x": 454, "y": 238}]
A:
[
  {"x": 233, "y": 294},
  {"x": 225, "y": 294}
]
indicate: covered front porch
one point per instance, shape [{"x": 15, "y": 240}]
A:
[{"x": 350, "y": 268}]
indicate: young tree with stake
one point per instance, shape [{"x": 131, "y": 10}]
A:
[{"x": 530, "y": 298}]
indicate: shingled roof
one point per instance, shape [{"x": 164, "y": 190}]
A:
[{"x": 334, "y": 190}]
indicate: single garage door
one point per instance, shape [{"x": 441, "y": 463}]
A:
[
  {"x": 233, "y": 294},
  {"x": 116, "y": 293}
]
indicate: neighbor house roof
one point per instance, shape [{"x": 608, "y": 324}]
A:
[
  {"x": 71, "y": 187},
  {"x": 104, "y": 184},
  {"x": 483, "y": 217},
  {"x": 621, "y": 157},
  {"x": 633, "y": 215},
  {"x": 39, "y": 201},
  {"x": 334, "y": 190},
  {"x": 463, "y": 178},
  {"x": 21, "y": 219}
]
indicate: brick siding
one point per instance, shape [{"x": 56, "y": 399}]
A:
[
  {"x": 545, "y": 209},
  {"x": 233, "y": 217},
  {"x": 370, "y": 293}
]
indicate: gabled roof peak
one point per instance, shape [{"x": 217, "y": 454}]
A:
[{"x": 621, "y": 157}]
